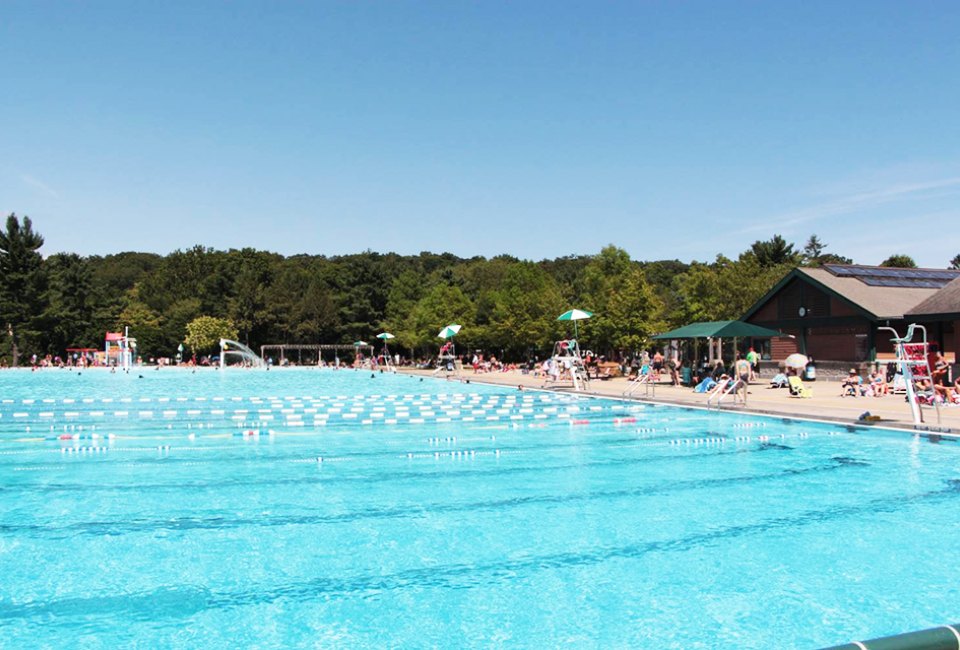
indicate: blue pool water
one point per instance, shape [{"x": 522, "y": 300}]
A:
[{"x": 331, "y": 509}]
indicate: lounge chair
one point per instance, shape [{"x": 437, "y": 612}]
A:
[
  {"x": 779, "y": 380},
  {"x": 797, "y": 389}
]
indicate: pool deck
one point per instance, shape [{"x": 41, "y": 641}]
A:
[{"x": 825, "y": 404}]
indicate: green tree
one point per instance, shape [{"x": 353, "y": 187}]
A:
[
  {"x": 569, "y": 274},
  {"x": 603, "y": 279},
  {"x": 636, "y": 310},
  {"x": 145, "y": 325},
  {"x": 442, "y": 305},
  {"x": 525, "y": 310},
  {"x": 725, "y": 289},
  {"x": 899, "y": 261},
  {"x": 247, "y": 304},
  {"x": 814, "y": 255},
  {"x": 813, "y": 249},
  {"x": 203, "y": 333},
  {"x": 774, "y": 252},
  {"x": 21, "y": 283},
  {"x": 174, "y": 323},
  {"x": 69, "y": 311},
  {"x": 121, "y": 271},
  {"x": 955, "y": 262},
  {"x": 405, "y": 291},
  {"x": 660, "y": 275},
  {"x": 830, "y": 258},
  {"x": 316, "y": 315},
  {"x": 697, "y": 290}
]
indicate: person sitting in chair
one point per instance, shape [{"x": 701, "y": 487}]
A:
[
  {"x": 851, "y": 385},
  {"x": 878, "y": 384}
]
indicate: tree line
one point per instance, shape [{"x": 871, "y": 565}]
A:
[{"x": 507, "y": 306}]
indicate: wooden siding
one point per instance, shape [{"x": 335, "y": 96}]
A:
[
  {"x": 766, "y": 313},
  {"x": 782, "y": 347},
  {"x": 796, "y": 294},
  {"x": 838, "y": 343},
  {"x": 840, "y": 308}
]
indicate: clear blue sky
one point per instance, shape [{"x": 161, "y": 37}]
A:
[{"x": 673, "y": 129}]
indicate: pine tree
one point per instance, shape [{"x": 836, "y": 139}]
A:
[{"x": 21, "y": 282}]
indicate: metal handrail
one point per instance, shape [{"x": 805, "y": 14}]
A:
[
  {"x": 945, "y": 637},
  {"x": 724, "y": 390},
  {"x": 642, "y": 380}
]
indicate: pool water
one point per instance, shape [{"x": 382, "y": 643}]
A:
[{"x": 318, "y": 508}]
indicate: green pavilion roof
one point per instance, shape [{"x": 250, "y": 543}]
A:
[{"x": 723, "y": 329}]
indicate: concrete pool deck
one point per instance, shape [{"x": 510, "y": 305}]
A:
[{"x": 825, "y": 404}]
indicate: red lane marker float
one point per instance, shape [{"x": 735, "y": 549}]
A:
[
  {"x": 624, "y": 420},
  {"x": 578, "y": 422}
]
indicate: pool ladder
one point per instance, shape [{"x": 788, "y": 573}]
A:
[
  {"x": 720, "y": 392},
  {"x": 646, "y": 380}
]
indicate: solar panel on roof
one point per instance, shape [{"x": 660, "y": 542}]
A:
[
  {"x": 895, "y": 277},
  {"x": 906, "y": 283}
]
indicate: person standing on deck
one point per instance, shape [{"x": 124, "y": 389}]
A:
[
  {"x": 742, "y": 375},
  {"x": 754, "y": 360}
]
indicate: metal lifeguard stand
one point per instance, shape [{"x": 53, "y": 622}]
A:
[
  {"x": 912, "y": 361},
  {"x": 387, "y": 361},
  {"x": 447, "y": 358},
  {"x": 567, "y": 358},
  {"x": 120, "y": 348}
]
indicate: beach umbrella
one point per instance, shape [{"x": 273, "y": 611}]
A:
[
  {"x": 449, "y": 331},
  {"x": 359, "y": 343},
  {"x": 575, "y": 315},
  {"x": 796, "y": 360},
  {"x": 386, "y": 336}
]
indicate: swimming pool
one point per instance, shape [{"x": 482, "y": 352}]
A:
[{"x": 344, "y": 509}]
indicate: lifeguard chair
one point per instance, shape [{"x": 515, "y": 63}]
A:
[
  {"x": 569, "y": 363},
  {"x": 387, "y": 361},
  {"x": 914, "y": 365},
  {"x": 447, "y": 357},
  {"x": 119, "y": 349}
]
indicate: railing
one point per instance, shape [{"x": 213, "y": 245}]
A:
[
  {"x": 645, "y": 380},
  {"x": 912, "y": 363},
  {"x": 723, "y": 389},
  {"x": 939, "y": 638}
]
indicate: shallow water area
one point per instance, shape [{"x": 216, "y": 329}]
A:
[{"x": 297, "y": 507}]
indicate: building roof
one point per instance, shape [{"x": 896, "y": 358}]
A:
[
  {"x": 854, "y": 285},
  {"x": 945, "y": 301},
  {"x": 724, "y": 329},
  {"x": 879, "y": 301}
]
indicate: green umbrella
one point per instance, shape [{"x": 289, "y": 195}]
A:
[
  {"x": 449, "y": 331},
  {"x": 575, "y": 315},
  {"x": 385, "y": 336},
  {"x": 359, "y": 343}
]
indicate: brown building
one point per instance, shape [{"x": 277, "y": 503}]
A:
[
  {"x": 941, "y": 310},
  {"x": 832, "y": 312}
]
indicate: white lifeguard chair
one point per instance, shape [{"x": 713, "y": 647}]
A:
[
  {"x": 387, "y": 360},
  {"x": 569, "y": 362},
  {"x": 447, "y": 360},
  {"x": 914, "y": 365},
  {"x": 119, "y": 349},
  {"x": 447, "y": 357}
]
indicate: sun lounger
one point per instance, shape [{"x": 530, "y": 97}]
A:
[{"x": 797, "y": 389}]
